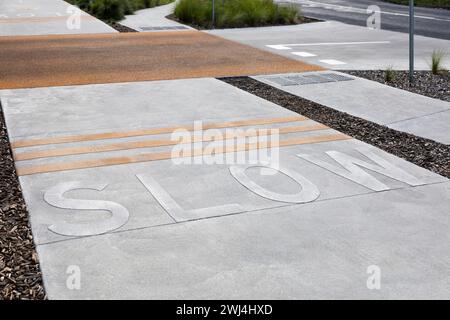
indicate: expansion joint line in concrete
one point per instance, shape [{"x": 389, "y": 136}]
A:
[{"x": 418, "y": 117}]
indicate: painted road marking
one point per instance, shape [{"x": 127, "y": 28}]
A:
[
  {"x": 290, "y": 45},
  {"x": 85, "y": 164},
  {"x": 332, "y": 62},
  {"x": 278, "y": 47},
  {"x": 145, "y": 132},
  {"x": 359, "y": 10},
  {"x": 304, "y": 54},
  {"x": 157, "y": 143}
]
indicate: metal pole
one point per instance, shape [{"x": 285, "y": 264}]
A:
[
  {"x": 411, "y": 41},
  {"x": 213, "y": 13}
]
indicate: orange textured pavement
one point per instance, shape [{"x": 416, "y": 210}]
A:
[{"x": 42, "y": 61}]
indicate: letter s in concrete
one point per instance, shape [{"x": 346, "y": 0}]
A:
[{"x": 55, "y": 197}]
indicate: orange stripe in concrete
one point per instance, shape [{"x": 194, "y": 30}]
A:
[
  {"x": 64, "y": 166},
  {"x": 156, "y": 143},
  {"x": 135, "y": 133}
]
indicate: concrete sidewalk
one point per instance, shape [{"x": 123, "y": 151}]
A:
[
  {"x": 134, "y": 226},
  {"x": 153, "y": 19},
  {"x": 45, "y": 17},
  {"x": 379, "y": 103},
  {"x": 340, "y": 46}
]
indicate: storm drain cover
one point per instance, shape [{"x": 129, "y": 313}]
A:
[
  {"x": 282, "y": 81},
  {"x": 146, "y": 28},
  {"x": 337, "y": 77},
  {"x": 309, "y": 79},
  {"x": 293, "y": 80}
]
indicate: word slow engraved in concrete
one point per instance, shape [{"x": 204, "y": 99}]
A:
[{"x": 346, "y": 166}]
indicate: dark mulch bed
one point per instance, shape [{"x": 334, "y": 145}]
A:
[
  {"x": 426, "y": 153},
  {"x": 20, "y": 275},
  {"x": 121, "y": 28},
  {"x": 426, "y": 83}
]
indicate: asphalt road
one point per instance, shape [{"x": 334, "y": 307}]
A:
[{"x": 429, "y": 22}]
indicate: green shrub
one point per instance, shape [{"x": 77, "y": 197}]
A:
[
  {"x": 235, "y": 13},
  {"x": 83, "y": 4},
  {"x": 114, "y": 10},
  {"x": 194, "y": 11},
  {"x": 108, "y": 9}
]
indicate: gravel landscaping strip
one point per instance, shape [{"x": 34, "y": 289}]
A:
[
  {"x": 426, "y": 83},
  {"x": 20, "y": 275},
  {"x": 423, "y": 152},
  {"x": 121, "y": 28}
]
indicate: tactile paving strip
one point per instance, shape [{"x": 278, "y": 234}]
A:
[{"x": 86, "y": 59}]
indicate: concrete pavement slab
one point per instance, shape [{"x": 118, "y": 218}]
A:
[
  {"x": 324, "y": 212},
  {"x": 147, "y": 20},
  {"x": 357, "y": 48},
  {"x": 45, "y": 17},
  {"x": 435, "y": 126},
  {"x": 99, "y": 108},
  {"x": 53, "y": 113},
  {"x": 379, "y": 103},
  {"x": 313, "y": 251}
]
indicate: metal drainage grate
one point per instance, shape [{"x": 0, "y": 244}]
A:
[
  {"x": 163, "y": 28},
  {"x": 310, "y": 79},
  {"x": 282, "y": 81},
  {"x": 337, "y": 77},
  {"x": 298, "y": 79}
]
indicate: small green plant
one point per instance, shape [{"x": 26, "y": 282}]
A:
[
  {"x": 437, "y": 60},
  {"x": 389, "y": 74}
]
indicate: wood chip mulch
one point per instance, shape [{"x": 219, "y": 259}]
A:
[
  {"x": 425, "y": 153},
  {"x": 20, "y": 275}
]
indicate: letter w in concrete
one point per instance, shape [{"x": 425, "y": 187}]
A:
[{"x": 351, "y": 168}]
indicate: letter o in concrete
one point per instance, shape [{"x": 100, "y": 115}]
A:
[{"x": 309, "y": 191}]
